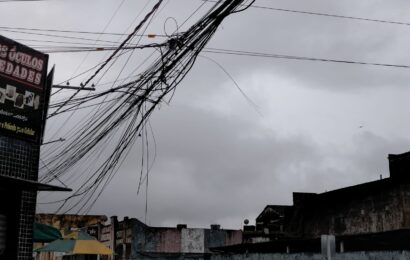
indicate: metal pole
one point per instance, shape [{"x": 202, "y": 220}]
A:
[{"x": 72, "y": 87}]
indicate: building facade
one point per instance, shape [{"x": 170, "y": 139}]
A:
[
  {"x": 132, "y": 239},
  {"x": 24, "y": 93},
  {"x": 67, "y": 223},
  {"x": 373, "y": 207}
]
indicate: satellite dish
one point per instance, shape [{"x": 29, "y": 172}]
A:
[{"x": 246, "y": 222}]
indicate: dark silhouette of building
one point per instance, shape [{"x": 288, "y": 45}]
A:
[{"x": 368, "y": 208}]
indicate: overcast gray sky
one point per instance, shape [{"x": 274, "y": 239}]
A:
[{"x": 321, "y": 125}]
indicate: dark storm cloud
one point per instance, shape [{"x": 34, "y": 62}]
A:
[
  {"x": 209, "y": 165},
  {"x": 320, "y": 37},
  {"x": 215, "y": 169}
]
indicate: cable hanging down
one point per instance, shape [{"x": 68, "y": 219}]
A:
[{"x": 123, "y": 113}]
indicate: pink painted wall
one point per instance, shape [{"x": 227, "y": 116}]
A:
[
  {"x": 233, "y": 237},
  {"x": 169, "y": 241}
]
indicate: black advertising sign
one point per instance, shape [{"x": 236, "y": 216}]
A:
[
  {"x": 47, "y": 93},
  {"x": 23, "y": 90}
]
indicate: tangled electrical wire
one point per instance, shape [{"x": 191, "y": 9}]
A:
[{"x": 122, "y": 112}]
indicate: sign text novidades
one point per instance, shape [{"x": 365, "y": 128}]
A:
[{"x": 20, "y": 65}]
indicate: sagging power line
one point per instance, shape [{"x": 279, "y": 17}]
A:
[
  {"x": 68, "y": 49},
  {"x": 323, "y": 14},
  {"x": 126, "y": 109}
]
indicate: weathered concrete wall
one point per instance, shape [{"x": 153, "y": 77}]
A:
[
  {"x": 66, "y": 222},
  {"x": 193, "y": 240},
  {"x": 146, "y": 240},
  {"x": 219, "y": 238},
  {"x": 214, "y": 238},
  {"x": 153, "y": 240},
  {"x": 169, "y": 241},
  {"x": 405, "y": 200},
  {"x": 177, "y": 241},
  {"x": 233, "y": 237},
  {"x": 381, "y": 212},
  {"x": 346, "y": 256},
  {"x": 106, "y": 236},
  {"x": 138, "y": 240},
  {"x": 378, "y": 211}
]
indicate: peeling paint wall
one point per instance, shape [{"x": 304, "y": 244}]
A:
[
  {"x": 405, "y": 200},
  {"x": 233, "y": 237},
  {"x": 138, "y": 239},
  {"x": 156, "y": 240},
  {"x": 214, "y": 238},
  {"x": 372, "y": 207},
  {"x": 193, "y": 240},
  {"x": 376, "y": 212},
  {"x": 105, "y": 237},
  {"x": 169, "y": 241},
  {"x": 221, "y": 237},
  {"x": 176, "y": 241}
]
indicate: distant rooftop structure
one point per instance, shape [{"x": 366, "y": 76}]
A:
[
  {"x": 367, "y": 208},
  {"x": 67, "y": 222},
  {"x": 132, "y": 239}
]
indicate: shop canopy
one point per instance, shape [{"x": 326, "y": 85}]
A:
[
  {"x": 78, "y": 243},
  {"x": 45, "y": 233},
  {"x": 23, "y": 184}
]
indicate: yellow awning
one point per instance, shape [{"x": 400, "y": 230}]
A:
[{"x": 91, "y": 247}]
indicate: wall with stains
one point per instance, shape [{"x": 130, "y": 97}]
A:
[
  {"x": 193, "y": 240},
  {"x": 169, "y": 240},
  {"x": 221, "y": 237},
  {"x": 154, "y": 240},
  {"x": 372, "y": 207},
  {"x": 232, "y": 237},
  {"x": 215, "y": 238},
  {"x": 376, "y": 211},
  {"x": 405, "y": 200}
]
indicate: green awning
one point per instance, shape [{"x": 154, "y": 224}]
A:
[
  {"x": 60, "y": 245},
  {"x": 77, "y": 243},
  {"x": 45, "y": 233}
]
